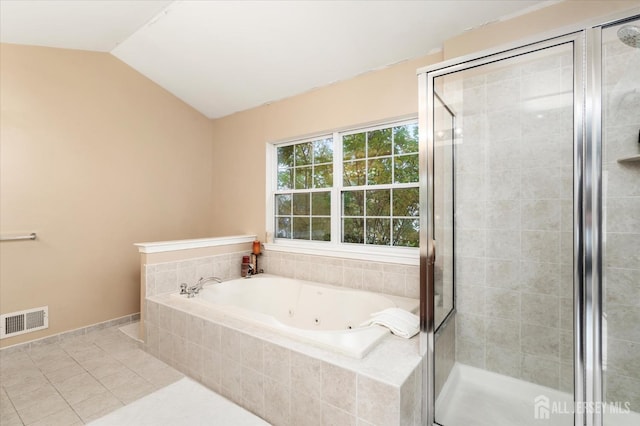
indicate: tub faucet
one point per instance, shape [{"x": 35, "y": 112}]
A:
[{"x": 191, "y": 291}]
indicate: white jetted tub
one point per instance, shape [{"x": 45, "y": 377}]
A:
[{"x": 320, "y": 314}]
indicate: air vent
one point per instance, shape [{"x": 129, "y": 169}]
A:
[{"x": 26, "y": 321}]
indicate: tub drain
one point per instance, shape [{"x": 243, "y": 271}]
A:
[{"x": 317, "y": 321}]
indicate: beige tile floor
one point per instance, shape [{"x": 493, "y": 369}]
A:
[{"x": 77, "y": 379}]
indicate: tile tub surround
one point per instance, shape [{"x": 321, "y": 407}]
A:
[
  {"x": 378, "y": 277},
  {"x": 165, "y": 270},
  {"x": 284, "y": 381},
  {"x": 166, "y": 277}
]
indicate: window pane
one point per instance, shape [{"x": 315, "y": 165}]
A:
[
  {"x": 353, "y": 230},
  {"x": 406, "y": 202},
  {"x": 284, "y": 178},
  {"x": 405, "y": 232},
  {"x": 321, "y": 204},
  {"x": 379, "y": 143},
  {"x": 285, "y": 156},
  {"x": 379, "y": 171},
  {"x": 323, "y": 151},
  {"x": 321, "y": 229},
  {"x": 303, "y": 152},
  {"x": 406, "y": 168},
  {"x": 283, "y": 204},
  {"x": 379, "y": 231},
  {"x": 301, "y": 227},
  {"x": 303, "y": 177},
  {"x": 323, "y": 176},
  {"x": 369, "y": 215},
  {"x": 353, "y": 203},
  {"x": 353, "y": 146},
  {"x": 301, "y": 204},
  {"x": 354, "y": 173},
  {"x": 379, "y": 202},
  {"x": 283, "y": 227},
  {"x": 405, "y": 139}
]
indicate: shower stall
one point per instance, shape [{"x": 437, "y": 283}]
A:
[{"x": 530, "y": 245}]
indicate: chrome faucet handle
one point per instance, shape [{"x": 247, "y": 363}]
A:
[
  {"x": 183, "y": 288},
  {"x": 192, "y": 291}
]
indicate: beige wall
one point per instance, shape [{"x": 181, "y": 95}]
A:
[
  {"x": 94, "y": 157},
  {"x": 240, "y": 139}
]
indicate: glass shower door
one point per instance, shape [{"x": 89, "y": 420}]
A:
[
  {"x": 512, "y": 231},
  {"x": 445, "y": 130},
  {"x": 621, "y": 223}
]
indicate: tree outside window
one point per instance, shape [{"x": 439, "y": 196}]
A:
[{"x": 377, "y": 190}]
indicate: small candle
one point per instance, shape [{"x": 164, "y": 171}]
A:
[{"x": 256, "y": 247}]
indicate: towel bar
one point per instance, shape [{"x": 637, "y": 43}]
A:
[{"x": 31, "y": 236}]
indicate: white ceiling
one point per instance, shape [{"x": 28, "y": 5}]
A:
[{"x": 226, "y": 56}]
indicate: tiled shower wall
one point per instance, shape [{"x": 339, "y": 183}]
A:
[
  {"x": 513, "y": 219},
  {"x": 621, "y": 191}
]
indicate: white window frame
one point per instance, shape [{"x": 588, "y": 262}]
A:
[{"x": 335, "y": 247}]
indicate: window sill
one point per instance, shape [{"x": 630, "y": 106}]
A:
[{"x": 398, "y": 255}]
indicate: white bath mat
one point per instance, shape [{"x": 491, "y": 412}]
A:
[{"x": 183, "y": 403}]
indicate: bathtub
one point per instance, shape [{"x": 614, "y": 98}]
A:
[{"x": 319, "y": 314}]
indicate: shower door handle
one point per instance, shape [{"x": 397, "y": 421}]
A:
[{"x": 431, "y": 253}]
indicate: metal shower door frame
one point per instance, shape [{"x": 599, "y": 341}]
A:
[{"x": 587, "y": 205}]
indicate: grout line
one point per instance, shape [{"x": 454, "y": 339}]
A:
[
  {"x": 56, "y": 338},
  {"x": 15, "y": 410},
  {"x": 93, "y": 344}
]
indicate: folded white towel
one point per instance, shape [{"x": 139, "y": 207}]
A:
[{"x": 401, "y": 323}]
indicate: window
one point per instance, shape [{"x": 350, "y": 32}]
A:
[
  {"x": 380, "y": 186},
  {"x": 303, "y": 198},
  {"x": 357, "y": 187}
]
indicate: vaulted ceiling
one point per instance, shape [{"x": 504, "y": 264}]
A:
[{"x": 226, "y": 56}]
